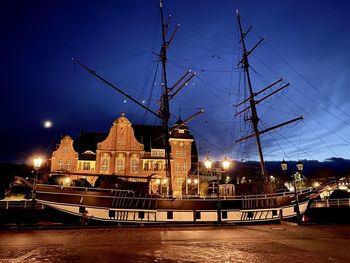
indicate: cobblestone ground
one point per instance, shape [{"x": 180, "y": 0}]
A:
[{"x": 264, "y": 243}]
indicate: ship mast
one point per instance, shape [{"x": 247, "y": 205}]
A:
[
  {"x": 254, "y": 118},
  {"x": 253, "y": 102},
  {"x": 167, "y": 94},
  {"x": 165, "y": 111}
]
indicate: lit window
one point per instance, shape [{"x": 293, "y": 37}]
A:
[
  {"x": 146, "y": 166},
  {"x": 134, "y": 165},
  {"x": 184, "y": 167},
  {"x": 65, "y": 149},
  {"x": 157, "y": 152},
  {"x": 177, "y": 167},
  {"x": 120, "y": 164},
  {"x": 86, "y": 166},
  {"x": 180, "y": 182},
  {"x": 60, "y": 164},
  {"x": 181, "y": 131},
  {"x": 105, "y": 162},
  {"x": 69, "y": 165}
]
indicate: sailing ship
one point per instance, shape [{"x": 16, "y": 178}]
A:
[{"x": 123, "y": 205}]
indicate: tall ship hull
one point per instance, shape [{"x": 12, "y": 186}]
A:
[{"x": 122, "y": 206}]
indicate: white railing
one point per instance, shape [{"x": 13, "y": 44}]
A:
[{"x": 331, "y": 203}]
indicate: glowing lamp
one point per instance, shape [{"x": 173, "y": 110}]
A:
[
  {"x": 208, "y": 163},
  {"x": 225, "y": 163},
  {"x": 37, "y": 163}
]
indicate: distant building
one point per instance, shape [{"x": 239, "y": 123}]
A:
[{"x": 131, "y": 152}]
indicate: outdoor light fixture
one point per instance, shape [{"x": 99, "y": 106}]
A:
[
  {"x": 284, "y": 165},
  {"x": 300, "y": 166},
  {"x": 225, "y": 164},
  {"x": 37, "y": 163},
  {"x": 208, "y": 163}
]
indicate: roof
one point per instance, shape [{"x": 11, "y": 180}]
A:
[
  {"x": 150, "y": 136},
  {"x": 184, "y": 134}
]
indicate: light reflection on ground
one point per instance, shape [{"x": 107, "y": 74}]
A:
[{"x": 264, "y": 243}]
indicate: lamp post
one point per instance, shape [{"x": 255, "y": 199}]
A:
[
  {"x": 36, "y": 165},
  {"x": 225, "y": 165},
  {"x": 300, "y": 168}
]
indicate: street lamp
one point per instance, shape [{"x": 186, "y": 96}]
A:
[
  {"x": 300, "y": 168},
  {"x": 36, "y": 165},
  {"x": 225, "y": 165}
]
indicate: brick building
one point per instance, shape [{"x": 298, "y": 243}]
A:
[{"x": 130, "y": 152}]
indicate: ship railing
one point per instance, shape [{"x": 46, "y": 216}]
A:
[
  {"x": 19, "y": 204},
  {"x": 343, "y": 202},
  {"x": 85, "y": 188}
]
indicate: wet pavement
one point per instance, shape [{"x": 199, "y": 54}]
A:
[{"x": 263, "y": 243}]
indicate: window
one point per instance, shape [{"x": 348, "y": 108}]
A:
[
  {"x": 60, "y": 164},
  {"x": 180, "y": 182},
  {"x": 250, "y": 215},
  {"x": 69, "y": 165},
  {"x": 146, "y": 166},
  {"x": 155, "y": 166},
  {"x": 180, "y": 154},
  {"x": 65, "y": 149},
  {"x": 141, "y": 214},
  {"x": 177, "y": 167},
  {"x": 111, "y": 214},
  {"x": 105, "y": 162},
  {"x": 120, "y": 164},
  {"x": 81, "y": 209},
  {"x": 170, "y": 215},
  {"x": 158, "y": 153},
  {"x": 86, "y": 166},
  {"x": 224, "y": 214},
  {"x": 134, "y": 164},
  {"x": 198, "y": 215},
  {"x": 184, "y": 167},
  {"x": 181, "y": 131}
]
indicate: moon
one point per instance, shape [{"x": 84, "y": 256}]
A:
[{"x": 47, "y": 124}]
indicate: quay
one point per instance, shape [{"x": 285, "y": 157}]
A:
[{"x": 263, "y": 243}]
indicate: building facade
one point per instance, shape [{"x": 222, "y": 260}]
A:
[{"x": 130, "y": 152}]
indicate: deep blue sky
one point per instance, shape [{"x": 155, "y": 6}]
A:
[{"x": 307, "y": 43}]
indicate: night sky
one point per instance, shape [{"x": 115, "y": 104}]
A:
[{"x": 307, "y": 44}]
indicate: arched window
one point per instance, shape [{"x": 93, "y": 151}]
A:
[
  {"x": 134, "y": 163},
  {"x": 119, "y": 164},
  {"x": 105, "y": 162}
]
